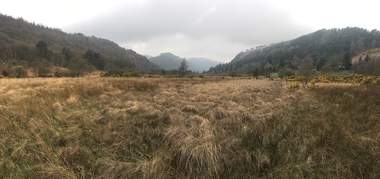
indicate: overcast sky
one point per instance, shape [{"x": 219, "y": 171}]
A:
[{"x": 217, "y": 29}]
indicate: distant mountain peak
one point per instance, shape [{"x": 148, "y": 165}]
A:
[
  {"x": 167, "y": 53},
  {"x": 169, "y": 61}
]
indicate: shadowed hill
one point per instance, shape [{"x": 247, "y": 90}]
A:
[{"x": 35, "y": 46}]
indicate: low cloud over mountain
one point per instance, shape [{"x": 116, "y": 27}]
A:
[{"x": 214, "y": 29}]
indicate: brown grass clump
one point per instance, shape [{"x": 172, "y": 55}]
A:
[
  {"x": 193, "y": 146},
  {"x": 187, "y": 128}
]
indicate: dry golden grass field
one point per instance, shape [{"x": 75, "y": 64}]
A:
[{"x": 187, "y": 128}]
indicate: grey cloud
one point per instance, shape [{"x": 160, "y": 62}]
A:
[
  {"x": 242, "y": 23},
  {"x": 215, "y": 48}
]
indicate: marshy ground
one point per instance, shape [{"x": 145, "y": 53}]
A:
[{"x": 187, "y": 128}]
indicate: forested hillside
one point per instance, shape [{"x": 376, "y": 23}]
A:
[
  {"x": 325, "y": 50},
  {"x": 35, "y": 50}
]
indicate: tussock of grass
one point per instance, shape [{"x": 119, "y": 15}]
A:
[
  {"x": 192, "y": 142},
  {"x": 186, "y": 128}
]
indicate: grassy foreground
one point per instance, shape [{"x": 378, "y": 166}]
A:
[{"x": 186, "y": 128}]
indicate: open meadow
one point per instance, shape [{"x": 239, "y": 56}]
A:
[{"x": 210, "y": 127}]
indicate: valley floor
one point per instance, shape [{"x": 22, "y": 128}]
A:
[{"x": 187, "y": 128}]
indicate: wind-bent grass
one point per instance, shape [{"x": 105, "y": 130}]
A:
[{"x": 186, "y": 128}]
